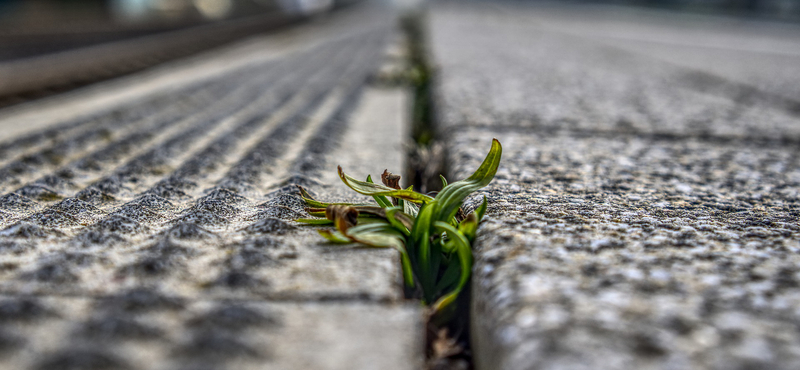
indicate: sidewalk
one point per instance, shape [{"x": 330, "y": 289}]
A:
[
  {"x": 146, "y": 223},
  {"x": 645, "y": 215}
]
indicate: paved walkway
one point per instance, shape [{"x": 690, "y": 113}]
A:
[
  {"x": 645, "y": 215},
  {"x": 146, "y": 223}
]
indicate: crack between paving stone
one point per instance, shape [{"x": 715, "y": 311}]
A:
[{"x": 425, "y": 163}]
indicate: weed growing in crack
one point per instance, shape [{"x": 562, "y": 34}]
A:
[{"x": 432, "y": 234}]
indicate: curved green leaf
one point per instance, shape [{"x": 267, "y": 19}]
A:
[
  {"x": 481, "y": 209},
  {"x": 384, "y": 236},
  {"x": 372, "y": 189},
  {"x": 334, "y": 236},
  {"x": 400, "y": 220},
  {"x": 452, "y": 196},
  {"x": 469, "y": 227},
  {"x": 449, "y": 277},
  {"x": 382, "y": 200},
  {"x": 464, "y": 252},
  {"x": 420, "y": 239},
  {"x": 312, "y": 203}
]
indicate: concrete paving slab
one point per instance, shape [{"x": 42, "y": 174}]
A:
[
  {"x": 499, "y": 67},
  {"x": 635, "y": 222},
  {"x": 156, "y": 231},
  {"x": 630, "y": 252},
  {"x": 759, "y": 53},
  {"x": 139, "y": 330}
]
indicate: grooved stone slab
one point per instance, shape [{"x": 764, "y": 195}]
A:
[
  {"x": 156, "y": 230},
  {"x": 116, "y": 333},
  {"x": 635, "y": 222}
]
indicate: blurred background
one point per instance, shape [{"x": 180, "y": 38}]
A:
[
  {"x": 29, "y": 27},
  {"x": 44, "y": 13},
  {"x": 41, "y": 13},
  {"x": 49, "y": 46}
]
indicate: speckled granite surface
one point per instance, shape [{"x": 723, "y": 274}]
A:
[
  {"x": 636, "y": 222},
  {"x": 157, "y": 233}
]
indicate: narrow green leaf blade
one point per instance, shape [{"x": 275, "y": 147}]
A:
[
  {"x": 334, "y": 236},
  {"x": 313, "y": 203},
  {"x": 372, "y": 189},
  {"x": 464, "y": 253},
  {"x": 420, "y": 234},
  {"x": 385, "y": 236},
  {"x": 399, "y": 220},
  {"x": 469, "y": 227},
  {"x": 452, "y": 196},
  {"x": 382, "y": 200},
  {"x": 481, "y": 209},
  {"x": 315, "y": 221},
  {"x": 449, "y": 278}
]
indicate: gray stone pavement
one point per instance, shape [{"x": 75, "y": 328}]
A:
[
  {"x": 639, "y": 220},
  {"x": 147, "y": 223}
]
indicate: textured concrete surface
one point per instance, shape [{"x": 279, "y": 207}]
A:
[
  {"x": 501, "y": 68},
  {"x": 636, "y": 222},
  {"x": 148, "y": 225},
  {"x": 753, "y": 52}
]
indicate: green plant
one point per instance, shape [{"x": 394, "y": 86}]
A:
[{"x": 433, "y": 236}]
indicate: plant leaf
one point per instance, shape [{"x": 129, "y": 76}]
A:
[
  {"x": 435, "y": 247},
  {"x": 449, "y": 247},
  {"x": 464, "y": 253},
  {"x": 481, "y": 209},
  {"x": 334, "y": 236},
  {"x": 315, "y": 221},
  {"x": 452, "y": 196},
  {"x": 410, "y": 208},
  {"x": 379, "y": 236},
  {"x": 385, "y": 236},
  {"x": 420, "y": 238},
  {"x": 469, "y": 227},
  {"x": 343, "y": 217},
  {"x": 382, "y": 200},
  {"x": 372, "y": 189},
  {"x": 450, "y": 277},
  {"x": 311, "y": 202},
  {"x": 400, "y": 220}
]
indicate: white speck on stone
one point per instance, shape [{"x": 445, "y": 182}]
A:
[
  {"x": 633, "y": 274},
  {"x": 660, "y": 275},
  {"x": 754, "y": 349},
  {"x": 534, "y": 288},
  {"x": 526, "y": 318},
  {"x": 683, "y": 188},
  {"x": 731, "y": 321}
]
